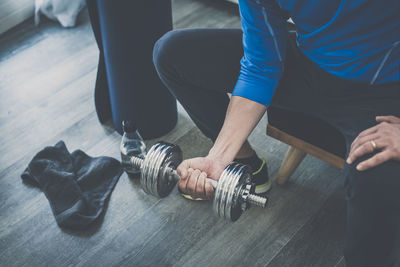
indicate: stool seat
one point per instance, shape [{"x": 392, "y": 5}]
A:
[
  {"x": 308, "y": 128},
  {"x": 305, "y": 134}
]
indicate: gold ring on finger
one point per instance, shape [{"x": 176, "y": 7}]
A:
[{"x": 373, "y": 144}]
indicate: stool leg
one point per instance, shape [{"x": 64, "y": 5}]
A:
[{"x": 289, "y": 164}]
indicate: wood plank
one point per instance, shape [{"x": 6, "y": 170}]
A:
[
  {"x": 306, "y": 147},
  {"x": 56, "y": 115},
  {"x": 39, "y": 218},
  {"x": 309, "y": 246},
  {"x": 43, "y": 53},
  {"x": 96, "y": 141},
  {"x": 205, "y": 14},
  {"x": 125, "y": 195},
  {"x": 259, "y": 235},
  {"x": 13, "y": 12}
]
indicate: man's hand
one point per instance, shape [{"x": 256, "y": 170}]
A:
[
  {"x": 241, "y": 118},
  {"x": 193, "y": 173},
  {"x": 384, "y": 138}
]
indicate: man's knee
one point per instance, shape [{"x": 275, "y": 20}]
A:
[
  {"x": 380, "y": 181},
  {"x": 166, "y": 49}
]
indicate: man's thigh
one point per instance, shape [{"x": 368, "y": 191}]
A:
[
  {"x": 373, "y": 212},
  {"x": 373, "y": 195}
]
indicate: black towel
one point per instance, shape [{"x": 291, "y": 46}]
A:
[{"x": 76, "y": 185}]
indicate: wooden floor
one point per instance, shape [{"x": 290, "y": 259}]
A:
[{"x": 47, "y": 77}]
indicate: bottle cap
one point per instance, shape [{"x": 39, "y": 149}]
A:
[{"x": 128, "y": 126}]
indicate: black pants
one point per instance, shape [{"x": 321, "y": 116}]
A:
[{"x": 200, "y": 67}]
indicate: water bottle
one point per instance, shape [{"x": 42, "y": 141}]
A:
[{"x": 131, "y": 145}]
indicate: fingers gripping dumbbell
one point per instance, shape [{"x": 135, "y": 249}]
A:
[{"x": 234, "y": 192}]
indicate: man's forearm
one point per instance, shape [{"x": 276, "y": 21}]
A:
[{"x": 241, "y": 118}]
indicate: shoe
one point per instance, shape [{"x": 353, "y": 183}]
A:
[
  {"x": 189, "y": 196},
  {"x": 261, "y": 178}
]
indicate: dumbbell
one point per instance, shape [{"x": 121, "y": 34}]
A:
[{"x": 233, "y": 194}]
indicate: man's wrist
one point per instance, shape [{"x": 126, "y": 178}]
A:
[
  {"x": 241, "y": 118},
  {"x": 221, "y": 154}
]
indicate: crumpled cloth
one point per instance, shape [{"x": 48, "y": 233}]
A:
[
  {"x": 75, "y": 184},
  {"x": 63, "y": 11}
]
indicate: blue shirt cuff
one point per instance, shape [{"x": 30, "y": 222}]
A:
[{"x": 259, "y": 92}]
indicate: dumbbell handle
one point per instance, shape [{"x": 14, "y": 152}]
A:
[
  {"x": 175, "y": 176},
  {"x": 252, "y": 198},
  {"x": 137, "y": 162}
]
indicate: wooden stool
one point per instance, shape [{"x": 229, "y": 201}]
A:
[{"x": 305, "y": 135}]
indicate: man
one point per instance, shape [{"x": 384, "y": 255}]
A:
[{"x": 342, "y": 67}]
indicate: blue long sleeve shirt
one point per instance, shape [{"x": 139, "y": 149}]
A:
[{"x": 358, "y": 40}]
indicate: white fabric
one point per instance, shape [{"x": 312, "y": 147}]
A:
[{"x": 64, "y": 11}]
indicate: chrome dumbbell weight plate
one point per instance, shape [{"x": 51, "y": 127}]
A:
[
  {"x": 233, "y": 187},
  {"x": 154, "y": 177}
]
